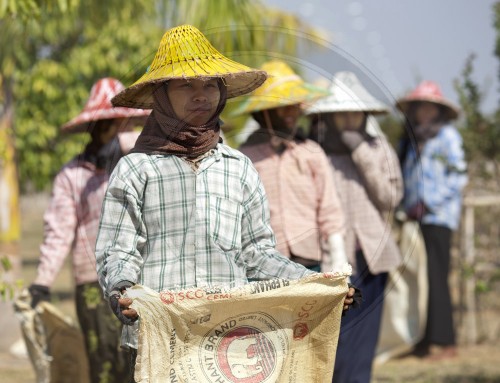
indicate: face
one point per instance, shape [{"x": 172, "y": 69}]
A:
[
  {"x": 107, "y": 131},
  {"x": 426, "y": 113},
  {"x": 348, "y": 120},
  {"x": 289, "y": 115},
  {"x": 194, "y": 101}
]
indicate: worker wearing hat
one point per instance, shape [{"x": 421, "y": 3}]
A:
[
  {"x": 435, "y": 174},
  {"x": 72, "y": 219},
  {"x": 368, "y": 179},
  {"x": 306, "y": 216},
  {"x": 183, "y": 209}
]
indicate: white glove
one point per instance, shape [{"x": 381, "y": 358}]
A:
[{"x": 338, "y": 256}]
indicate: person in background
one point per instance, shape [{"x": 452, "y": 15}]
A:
[
  {"x": 182, "y": 209},
  {"x": 306, "y": 216},
  {"x": 435, "y": 173},
  {"x": 71, "y": 222},
  {"x": 368, "y": 179}
]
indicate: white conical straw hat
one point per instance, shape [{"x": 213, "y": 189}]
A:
[{"x": 348, "y": 95}]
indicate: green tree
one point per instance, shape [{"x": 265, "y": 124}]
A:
[
  {"x": 61, "y": 51},
  {"x": 481, "y": 131}
]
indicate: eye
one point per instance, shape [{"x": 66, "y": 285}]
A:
[{"x": 211, "y": 85}]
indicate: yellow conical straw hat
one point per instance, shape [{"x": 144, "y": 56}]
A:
[
  {"x": 185, "y": 53},
  {"x": 283, "y": 87}
]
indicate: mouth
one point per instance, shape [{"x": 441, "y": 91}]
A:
[{"x": 201, "y": 109}]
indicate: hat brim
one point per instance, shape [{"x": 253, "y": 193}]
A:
[
  {"x": 346, "y": 107},
  {"x": 84, "y": 121},
  {"x": 452, "y": 112},
  {"x": 303, "y": 93},
  {"x": 239, "y": 79}
]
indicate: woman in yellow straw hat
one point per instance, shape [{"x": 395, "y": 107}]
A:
[
  {"x": 305, "y": 210},
  {"x": 72, "y": 219},
  {"x": 369, "y": 183},
  {"x": 183, "y": 209}
]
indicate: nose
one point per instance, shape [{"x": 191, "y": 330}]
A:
[
  {"x": 292, "y": 111},
  {"x": 200, "y": 95}
]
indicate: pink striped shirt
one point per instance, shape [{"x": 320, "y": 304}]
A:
[
  {"x": 72, "y": 218},
  {"x": 303, "y": 202}
]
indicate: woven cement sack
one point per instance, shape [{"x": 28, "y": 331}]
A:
[
  {"x": 270, "y": 331},
  {"x": 406, "y": 295},
  {"x": 54, "y": 342}
]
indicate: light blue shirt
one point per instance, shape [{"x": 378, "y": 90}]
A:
[{"x": 437, "y": 178}]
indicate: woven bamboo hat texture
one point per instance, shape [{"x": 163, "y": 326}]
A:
[
  {"x": 98, "y": 107},
  {"x": 428, "y": 91},
  {"x": 347, "y": 95},
  {"x": 185, "y": 53},
  {"x": 283, "y": 87}
]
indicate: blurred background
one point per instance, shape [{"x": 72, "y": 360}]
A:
[{"x": 52, "y": 51}]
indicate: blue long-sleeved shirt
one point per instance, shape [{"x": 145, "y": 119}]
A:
[{"x": 437, "y": 178}]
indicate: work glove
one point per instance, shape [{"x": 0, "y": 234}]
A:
[
  {"x": 336, "y": 251},
  {"x": 352, "y": 139},
  {"x": 122, "y": 308},
  {"x": 38, "y": 294}
]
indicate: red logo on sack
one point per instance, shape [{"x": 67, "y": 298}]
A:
[
  {"x": 300, "y": 330},
  {"x": 167, "y": 297},
  {"x": 259, "y": 355}
]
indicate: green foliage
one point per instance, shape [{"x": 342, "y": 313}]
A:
[
  {"x": 8, "y": 288},
  {"x": 63, "y": 46},
  {"x": 245, "y": 30},
  {"x": 26, "y": 9},
  {"x": 53, "y": 69},
  {"x": 481, "y": 133}
]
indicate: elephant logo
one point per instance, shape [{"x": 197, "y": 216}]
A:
[
  {"x": 246, "y": 355},
  {"x": 248, "y": 348}
]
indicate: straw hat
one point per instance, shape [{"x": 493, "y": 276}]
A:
[
  {"x": 185, "y": 53},
  {"x": 347, "y": 95},
  {"x": 98, "y": 107},
  {"x": 283, "y": 87},
  {"x": 431, "y": 92}
]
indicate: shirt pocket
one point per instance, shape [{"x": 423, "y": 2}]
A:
[{"x": 225, "y": 223}]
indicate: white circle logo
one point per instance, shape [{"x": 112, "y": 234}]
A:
[{"x": 248, "y": 348}]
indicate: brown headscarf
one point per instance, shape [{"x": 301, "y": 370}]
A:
[
  {"x": 164, "y": 133},
  {"x": 273, "y": 129}
]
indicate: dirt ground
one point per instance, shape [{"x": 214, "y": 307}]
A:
[{"x": 479, "y": 363}]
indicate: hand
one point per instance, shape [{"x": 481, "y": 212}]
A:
[
  {"x": 351, "y": 138},
  {"x": 353, "y": 298},
  {"x": 38, "y": 293},
  {"x": 120, "y": 306},
  {"x": 417, "y": 211}
]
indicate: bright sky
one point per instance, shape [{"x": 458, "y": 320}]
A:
[{"x": 393, "y": 44}]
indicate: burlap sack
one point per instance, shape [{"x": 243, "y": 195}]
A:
[
  {"x": 406, "y": 295},
  {"x": 272, "y": 331},
  {"x": 54, "y": 342}
]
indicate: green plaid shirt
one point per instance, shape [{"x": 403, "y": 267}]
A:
[{"x": 167, "y": 226}]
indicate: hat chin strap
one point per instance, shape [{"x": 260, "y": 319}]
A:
[{"x": 276, "y": 141}]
